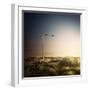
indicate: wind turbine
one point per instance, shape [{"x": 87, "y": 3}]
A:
[{"x": 42, "y": 36}]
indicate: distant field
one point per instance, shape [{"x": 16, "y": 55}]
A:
[{"x": 51, "y": 66}]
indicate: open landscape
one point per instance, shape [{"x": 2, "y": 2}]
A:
[{"x": 51, "y": 44}]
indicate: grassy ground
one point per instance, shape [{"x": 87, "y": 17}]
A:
[{"x": 66, "y": 66}]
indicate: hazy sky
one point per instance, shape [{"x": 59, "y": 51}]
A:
[{"x": 65, "y": 28}]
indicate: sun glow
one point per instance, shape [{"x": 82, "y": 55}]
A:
[{"x": 65, "y": 43}]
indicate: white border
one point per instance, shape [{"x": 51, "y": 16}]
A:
[{"x": 16, "y": 68}]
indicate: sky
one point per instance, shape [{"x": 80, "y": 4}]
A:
[{"x": 54, "y": 34}]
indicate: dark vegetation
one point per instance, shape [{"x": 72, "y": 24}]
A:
[{"x": 35, "y": 67}]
